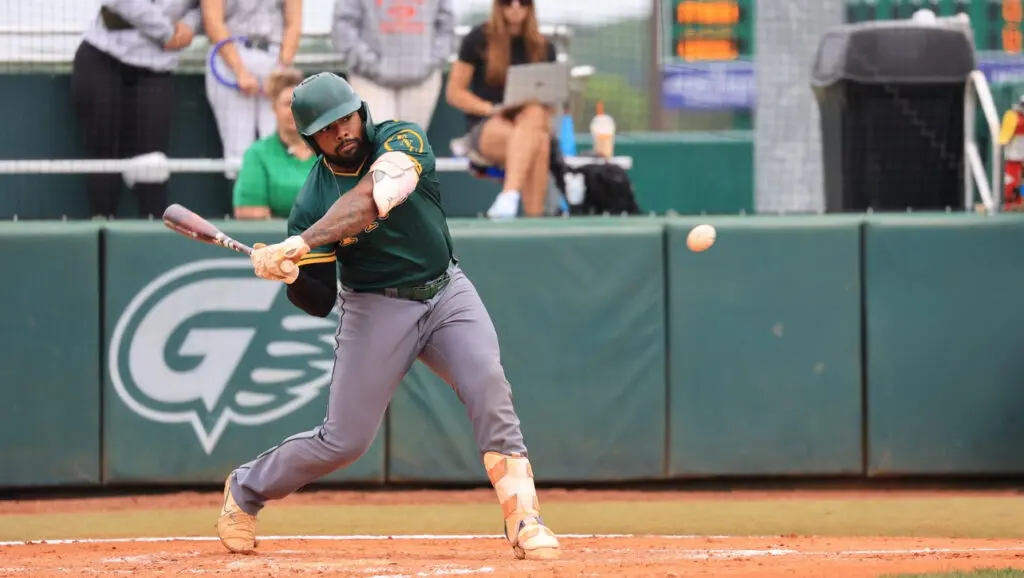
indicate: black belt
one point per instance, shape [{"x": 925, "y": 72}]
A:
[
  {"x": 114, "y": 21},
  {"x": 424, "y": 292},
  {"x": 258, "y": 44}
]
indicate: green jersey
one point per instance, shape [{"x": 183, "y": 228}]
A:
[{"x": 408, "y": 247}]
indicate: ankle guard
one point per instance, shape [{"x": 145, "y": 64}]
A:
[{"x": 512, "y": 478}]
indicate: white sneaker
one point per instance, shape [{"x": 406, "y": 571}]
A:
[{"x": 505, "y": 206}]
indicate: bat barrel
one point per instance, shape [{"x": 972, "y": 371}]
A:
[{"x": 188, "y": 224}]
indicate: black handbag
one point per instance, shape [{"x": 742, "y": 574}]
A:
[{"x": 114, "y": 21}]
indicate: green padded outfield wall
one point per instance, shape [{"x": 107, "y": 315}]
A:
[
  {"x": 200, "y": 366},
  {"x": 764, "y": 348},
  {"x": 207, "y": 365},
  {"x": 579, "y": 311},
  {"x": 49, "y": 364},
  {"x": 944, "y": 329}
]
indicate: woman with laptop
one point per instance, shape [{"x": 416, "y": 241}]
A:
[{"x": 515, "y": 136}]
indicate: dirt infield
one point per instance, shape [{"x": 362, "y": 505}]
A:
[
  {"x": 436, "y": 554},
  {"x": 489, "y": 556}
]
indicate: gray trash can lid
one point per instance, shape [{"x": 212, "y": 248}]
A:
[{"x": 893, "y": 52}]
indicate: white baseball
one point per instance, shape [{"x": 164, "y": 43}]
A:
[{"x": 701, "y": 238}]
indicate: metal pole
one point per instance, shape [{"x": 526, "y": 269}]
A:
[{"x": 657, "y": 117}]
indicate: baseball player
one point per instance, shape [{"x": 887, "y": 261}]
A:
[{"x": 372, "y": 203}]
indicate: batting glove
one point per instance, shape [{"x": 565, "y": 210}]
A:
[{"x": 278, "y": 262}]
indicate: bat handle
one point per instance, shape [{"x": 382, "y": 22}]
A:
[{"x": 232, "y": 244}]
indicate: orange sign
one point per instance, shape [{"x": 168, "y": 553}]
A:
[{"x": 695, "y": 12}]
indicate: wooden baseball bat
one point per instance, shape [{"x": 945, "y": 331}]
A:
[{"x": 183, "y": 221}]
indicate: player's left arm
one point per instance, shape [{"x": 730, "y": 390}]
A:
[{"x": 393, "y": 176}]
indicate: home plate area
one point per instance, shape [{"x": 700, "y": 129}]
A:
[{"x": 413, "y": 556}]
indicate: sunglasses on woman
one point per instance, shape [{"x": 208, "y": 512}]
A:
[{"x": 523, "y": 3}]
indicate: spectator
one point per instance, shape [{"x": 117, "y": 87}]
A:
[
  {"x": 274, "y": 167},
  {"x": 272, "y": 32},
  {"x": 123, "y": 92},
  {"x": 394, "y": 55},
  {"x": 518, "y": 139}
]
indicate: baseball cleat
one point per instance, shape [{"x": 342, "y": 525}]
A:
[
  {"x": 535, "y": 541},
  {"x": 236, "y": 527},
  {"x": 512, "y": 478}
]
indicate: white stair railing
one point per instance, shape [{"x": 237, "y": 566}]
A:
[{"x": 989, "y": 189}]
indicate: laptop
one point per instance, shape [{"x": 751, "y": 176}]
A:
[{"x": 545, "y": 82}]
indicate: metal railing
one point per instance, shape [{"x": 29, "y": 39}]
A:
[
  {"x": 978, "y": 92},
  {"x": 155, "y": 167}
]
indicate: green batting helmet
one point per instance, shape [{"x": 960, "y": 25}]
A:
[{"x": 322, "y": 99}]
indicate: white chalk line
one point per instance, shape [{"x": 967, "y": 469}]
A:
[{"x": 347, "y": 537}]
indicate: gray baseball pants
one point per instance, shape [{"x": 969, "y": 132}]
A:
[{"x": 378, "y": 340}]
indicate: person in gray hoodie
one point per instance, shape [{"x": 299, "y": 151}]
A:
[{"x": 394, "y": 51}]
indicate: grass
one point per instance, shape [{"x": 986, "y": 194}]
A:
[{"x": 968, "y": 517}]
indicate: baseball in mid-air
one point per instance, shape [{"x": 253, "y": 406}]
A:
[{"x": 701, "y": 238}]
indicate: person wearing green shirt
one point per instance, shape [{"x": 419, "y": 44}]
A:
[{"x": 274, "y": 168}]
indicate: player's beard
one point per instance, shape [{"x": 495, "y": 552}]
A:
[{"x": 351, "y": 160}]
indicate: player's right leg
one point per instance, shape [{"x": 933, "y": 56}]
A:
[
  {"x": 462, "y": 349},
  {"x": 377, "y": 343}
]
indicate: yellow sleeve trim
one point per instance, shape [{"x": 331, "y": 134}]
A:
[{"x": 311, "y": 258}]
